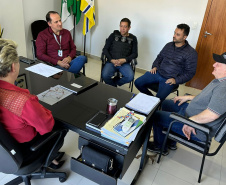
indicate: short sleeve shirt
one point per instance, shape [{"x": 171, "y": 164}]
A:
[{"x": 213, "y": 98}]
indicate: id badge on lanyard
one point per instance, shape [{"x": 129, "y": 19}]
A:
[{"x": 60, "y": 51}]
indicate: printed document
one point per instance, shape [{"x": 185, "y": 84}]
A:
[
  {"x": 44, "y": 69},
  {"x": 54, "y": 95}
]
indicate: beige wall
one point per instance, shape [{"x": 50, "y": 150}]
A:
[
  {"x": 12, "y": 20},
  {"x": 36, "y": 10},
  {"x": 153, "y": 22}
]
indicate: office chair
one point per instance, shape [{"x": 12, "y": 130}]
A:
[
  {"x": 36, "y": 28},
  {"x": 133, "y": 64},
  {"x": 201, "y": 147},
  {"x": 155, "y": 87},
  {"x": 13, "y": 162}
]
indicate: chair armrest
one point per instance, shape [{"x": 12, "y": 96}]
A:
[
  {"x": 44, "y": 139},
  {"x": 103, "y": 59},
  {"x": 189, "y": 122},
  {"x": 134, "y": 62}
]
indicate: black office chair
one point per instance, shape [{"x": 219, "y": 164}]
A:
[
  {"x": 201, "y": 147},
  {"x": 133, "y": 64},
  {"x": 36, "y": 28},
  {"x": 13, "y": 162},
  {"x": 155, "y": 87}
]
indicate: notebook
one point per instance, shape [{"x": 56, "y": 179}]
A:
[
  {"x": 80, "y": 84},
  {"x": 143, "y": 103}
]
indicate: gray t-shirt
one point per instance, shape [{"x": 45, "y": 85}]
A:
[{"x": 213, "y": 97}]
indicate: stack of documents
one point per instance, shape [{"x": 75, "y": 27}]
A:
[
  {"x": 143, "y": 103},
  {"x": 109, "y": 130}
]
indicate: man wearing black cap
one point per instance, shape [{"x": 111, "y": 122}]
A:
[{"x": 206, "y": 108}]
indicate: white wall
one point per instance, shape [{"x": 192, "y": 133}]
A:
[
  {"x": 36, "y": 10},
  {"x": 153, "y": 22},
  {"x": 12, "y": 20}
]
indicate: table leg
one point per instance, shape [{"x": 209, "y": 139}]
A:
[{"x": 144, "y": 157}]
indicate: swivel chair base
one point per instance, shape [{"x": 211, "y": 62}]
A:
[{"x": 38, "y": 175}]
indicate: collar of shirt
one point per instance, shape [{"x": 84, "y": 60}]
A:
[
  {"x": 222, "y": 79},
  {"x": 182, "y": 47},
  {"x": 9, "y": 86},
  {"x": 51, "y": 31}
]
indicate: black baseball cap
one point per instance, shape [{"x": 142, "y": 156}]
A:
[{"x": 220, "y": 58}]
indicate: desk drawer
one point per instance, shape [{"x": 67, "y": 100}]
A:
[{"x": 93, "y": 174}]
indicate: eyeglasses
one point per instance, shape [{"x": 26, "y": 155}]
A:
[{"x": 54, "y": 92}]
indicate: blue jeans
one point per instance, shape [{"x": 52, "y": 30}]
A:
[
  {"x": 109, "y": 71},
  {"x": 161, "y": 121},
  {"x": 75, "y": 65},
  {"x": 144, "y": 82}
]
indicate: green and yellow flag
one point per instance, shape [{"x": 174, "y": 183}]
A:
[
  {"x": 76, "y": 10},
  {"x": 66, "y": 16}
]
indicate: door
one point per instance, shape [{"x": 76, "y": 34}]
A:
[{"x": 212, "y": 39}]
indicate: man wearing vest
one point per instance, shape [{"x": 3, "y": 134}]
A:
[
  {"x": 120, "y": 48},
  {"x": 55, "y": 45},
  {"x": 175, "y": 64}
]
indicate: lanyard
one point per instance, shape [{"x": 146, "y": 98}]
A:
[{"x": 57, "y": 40}]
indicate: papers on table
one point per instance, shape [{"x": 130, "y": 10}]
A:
[
  {"x": 108, "y": 129},
  {"x": 143, "y": 103},
  {"x": 43, "y": 69},
  {"x": 54, "y": 95}
]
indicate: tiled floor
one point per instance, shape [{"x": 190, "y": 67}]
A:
[{"x": 180, "y": 167}]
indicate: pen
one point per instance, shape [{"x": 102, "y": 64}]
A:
[{"x": 132, "y": 97}]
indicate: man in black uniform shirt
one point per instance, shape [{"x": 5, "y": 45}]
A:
[{"x": 120, "y": 48}]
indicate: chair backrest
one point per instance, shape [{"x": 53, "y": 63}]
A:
[
  {"x": 33, "y": 42},
  {"x": 220, "y": 135},
  {"x": 10, "y": 154},
  {"x": 38, "y": 26}
]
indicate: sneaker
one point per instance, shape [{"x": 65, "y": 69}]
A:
[
  {"x": 172, "y": 147},
  {"x": 157, "y": 150}
]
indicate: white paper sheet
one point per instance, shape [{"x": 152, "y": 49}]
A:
[{"x": 43, "y": 69}]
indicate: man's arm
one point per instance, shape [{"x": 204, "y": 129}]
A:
[
  {"x": 215, "y": 109},
  {"x": 203, "y": 117},
  {"x": 134, "y": 53},
  {"x": 107, "y": 46},
  {"x": 183, "y": 99},
  {"x": 41, "y": 50},
  {"x": 189, "y": 69},
  {"x": 156, "y": 64}
]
